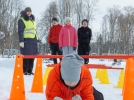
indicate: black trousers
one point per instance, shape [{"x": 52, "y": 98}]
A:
[
  {"x": 97, "y": 95},
  {"x": 84, "y": 49},
  {"x": 28, "y": 65},
  {"x": 55, "y": 50}
]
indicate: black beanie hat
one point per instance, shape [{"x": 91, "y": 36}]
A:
[
  {"x": 54, "y": 19},
  {"x": 85, "y": 20},
  {"x": 28, "y": 9}
]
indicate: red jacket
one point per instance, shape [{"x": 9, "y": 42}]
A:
[
  {"x": 56, "y": 88},
  {"x": 54, "y": 34},
  {"x": 68, "y": 36}
]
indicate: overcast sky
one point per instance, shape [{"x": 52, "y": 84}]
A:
[{"x": 38, "y": 6}]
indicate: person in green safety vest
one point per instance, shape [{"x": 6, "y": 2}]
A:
[{"x": 28, "y": 39}]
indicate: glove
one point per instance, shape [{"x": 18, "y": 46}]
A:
[
  {"x": 74, "y": 48},
  {"x": 77, "y": 97},
  {"x": 22, "y": 44},
  {"x": 57, "y": 98}
]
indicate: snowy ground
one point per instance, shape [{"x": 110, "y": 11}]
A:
[{"x": 6, "y": 72}]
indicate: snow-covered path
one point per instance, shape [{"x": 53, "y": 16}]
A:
[{"x": 6, "y": 72}]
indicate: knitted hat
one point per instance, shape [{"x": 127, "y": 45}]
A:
[
  {"x": 85, "y": 20},
  {"x": 28, "y": 9},
  {"x": 67, "y": 19},
  {"x": 54, "y": 19},
  {"x": 71, "y": 67}
]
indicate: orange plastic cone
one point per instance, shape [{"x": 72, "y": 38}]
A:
[
  {"x": 127, "y": 64},
  {"x": 37, "y": 85},
  {"x": 129, "y": 81},
  {"x": 17, "y": 89}
]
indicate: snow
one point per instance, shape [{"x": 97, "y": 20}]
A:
[
  {"x": 44, "y": 40},
  {"x": 6, "y": 73}
]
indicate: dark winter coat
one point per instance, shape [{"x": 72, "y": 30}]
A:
[
  {"x": 30, "y": 45},
  {"x": 84, "y": 35}
]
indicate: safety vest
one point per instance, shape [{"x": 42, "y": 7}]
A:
[{"x": 30, "y": 29}]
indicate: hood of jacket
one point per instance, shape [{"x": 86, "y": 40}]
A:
[{"x": 26, "y": 17}]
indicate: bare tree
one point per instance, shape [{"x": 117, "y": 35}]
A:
[
  {"x": 118, "y": 30},
  {"x": 9, "y": 15}
]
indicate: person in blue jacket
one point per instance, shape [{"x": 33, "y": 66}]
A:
[{"x": 28, "y": 39}]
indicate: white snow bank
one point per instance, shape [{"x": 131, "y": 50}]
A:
[{"x": 6, "y": 73}]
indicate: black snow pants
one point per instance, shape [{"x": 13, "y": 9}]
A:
[
  {"x": 55, "y": 50},
  {"x": 28, "y": 65},
  {"x": 97, "y": 95},
  {"x": 84, "y": 49}
]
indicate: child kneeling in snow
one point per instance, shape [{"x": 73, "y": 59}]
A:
[{"x": 70, "y": 80}]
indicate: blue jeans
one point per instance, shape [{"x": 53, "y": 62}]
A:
[{"x": 67, "y": 50}]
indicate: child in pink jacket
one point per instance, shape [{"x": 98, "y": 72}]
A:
[{"x": 68, "y": 39}]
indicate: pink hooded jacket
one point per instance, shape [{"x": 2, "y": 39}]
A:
[{"x": 68, "y": 36}]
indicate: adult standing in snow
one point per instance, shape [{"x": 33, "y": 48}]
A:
[
  {"x": 28, "y": 39},
  {"x": 53, "y": 38},
  {"x": 84, "y": 38},
  {"x": 70, "y": 80},
  {"x": 68, "y": 38}
]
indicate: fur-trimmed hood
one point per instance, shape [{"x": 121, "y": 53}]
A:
[{"x": 26, "y": 17}]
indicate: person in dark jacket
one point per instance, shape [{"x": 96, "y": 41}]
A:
[
  {"x": 53, "y": 38},
  {"x": 84, "y": 38},
  {"x": 28, "y": 39}
]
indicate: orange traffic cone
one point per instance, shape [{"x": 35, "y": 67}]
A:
[
  {"x": 127, "y": 65},
  {"x": 129, "y": 81},
  {"x": 37, "y": 85},
  {"x": 17, "y": 89}
]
